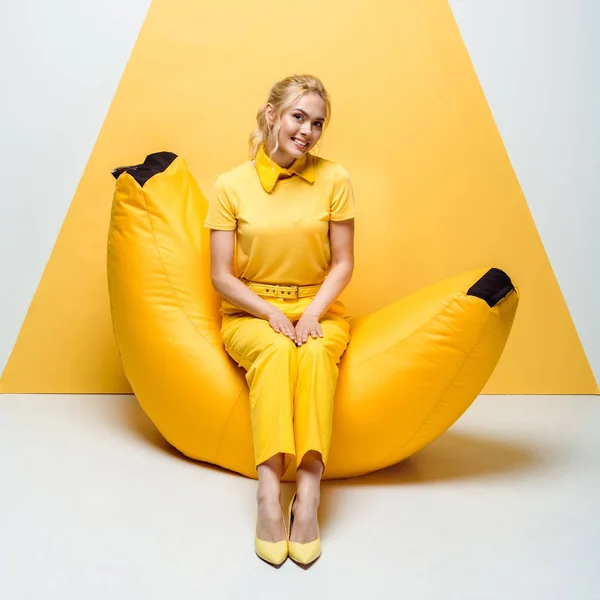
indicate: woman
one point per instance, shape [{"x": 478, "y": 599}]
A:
[{"x": 290, "y": 217}]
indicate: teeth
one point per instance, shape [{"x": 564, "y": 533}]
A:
[{"x": 299, "y": 142}]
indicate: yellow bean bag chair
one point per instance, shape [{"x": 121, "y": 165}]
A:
[{"x": 410, "y": 371}]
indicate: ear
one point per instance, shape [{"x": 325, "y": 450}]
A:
[{"x": 269, "y": 115}]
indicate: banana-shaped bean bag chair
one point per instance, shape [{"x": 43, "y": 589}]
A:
[{"x": 410, "y": 370}]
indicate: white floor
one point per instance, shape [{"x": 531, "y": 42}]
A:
[{"x": 94, "y": 505}]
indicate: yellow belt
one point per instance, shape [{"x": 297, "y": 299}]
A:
[{"x": 283, "y": 291}]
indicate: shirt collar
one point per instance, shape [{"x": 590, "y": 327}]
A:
[{"x": 269, "y": 171}]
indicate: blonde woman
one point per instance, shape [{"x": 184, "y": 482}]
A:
[{"x": 289, "y": 216}]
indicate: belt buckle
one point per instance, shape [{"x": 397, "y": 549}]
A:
[{"x": 284, "y": 293}]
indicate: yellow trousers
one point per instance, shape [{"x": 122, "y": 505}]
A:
[{"x": 291, "y": 388}]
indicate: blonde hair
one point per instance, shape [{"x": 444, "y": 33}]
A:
[{"x": 283, "y": 95}]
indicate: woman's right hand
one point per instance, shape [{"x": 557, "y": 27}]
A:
[{"x": 281, "y": 324}]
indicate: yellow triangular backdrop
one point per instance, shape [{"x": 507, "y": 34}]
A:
[{"x": 435, "y": 190}]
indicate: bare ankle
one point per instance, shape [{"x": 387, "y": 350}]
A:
[
  {"x": 309, "y": 479},
  {"x": 268, "y": 496},
  {"x": 269, "y": 475},
  {"x": 308, "y": 496},
  {"x": 312, "y": 464}
]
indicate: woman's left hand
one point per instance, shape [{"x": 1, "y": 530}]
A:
[{"x": 307, "y": 325}]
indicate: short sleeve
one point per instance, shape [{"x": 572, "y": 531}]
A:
[
  {"x": 221, "y": 214},
  {"x": 342, "y": 201}
]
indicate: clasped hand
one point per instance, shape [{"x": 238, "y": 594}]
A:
[{"x": 307, "y": 325}]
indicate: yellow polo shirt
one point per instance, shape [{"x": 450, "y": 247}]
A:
[{"x": 281, "y": 217}]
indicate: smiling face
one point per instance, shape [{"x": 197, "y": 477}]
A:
[{"x": 301, "y": 128}]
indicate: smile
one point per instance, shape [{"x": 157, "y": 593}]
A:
[{"x": 300, "y": 144}]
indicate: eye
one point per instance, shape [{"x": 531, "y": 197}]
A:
[
  {"x": 319, "y": 124},
  {"x": 300, "y": 116}
]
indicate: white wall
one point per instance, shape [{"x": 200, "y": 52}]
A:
[{"x": 537, "y": 61}]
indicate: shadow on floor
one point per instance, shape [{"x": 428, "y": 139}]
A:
[
  {"x": 452, "y": 456},
  {"x": 135, "y": 420}
]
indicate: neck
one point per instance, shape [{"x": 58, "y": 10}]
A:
[{"x": 280, "y": 158}]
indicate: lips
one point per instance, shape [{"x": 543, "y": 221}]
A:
[{"x": 299, "y": 143}]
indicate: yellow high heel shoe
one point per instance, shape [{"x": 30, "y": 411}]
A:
[
  {"x": 274, "y": 553},
  {"x": 303, "y": 554}
]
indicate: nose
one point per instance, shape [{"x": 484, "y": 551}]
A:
[{"x": 306, "y": 129}]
